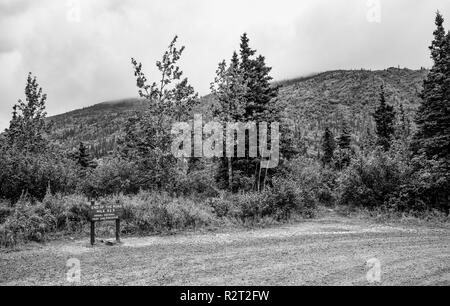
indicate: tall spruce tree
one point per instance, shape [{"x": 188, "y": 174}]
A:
[
  {"x": 431, "y": 143},
  {"x": 433, "y": 116},
  {"x": 82, "y": 156},
  {"x": 328, "y": 147},
  {"x": 385, "y": 122},
  {"x": 260, "y": 92},
  {"x": 344, "y": 153},
  {"x": 247, "y": 81}
]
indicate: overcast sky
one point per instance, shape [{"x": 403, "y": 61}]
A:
[{"x": 80, "y": 50}]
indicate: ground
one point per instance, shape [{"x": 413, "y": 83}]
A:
[{"x": 331, "y": 250}]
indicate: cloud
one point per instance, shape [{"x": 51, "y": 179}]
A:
[{"x": 85, "y": 61}]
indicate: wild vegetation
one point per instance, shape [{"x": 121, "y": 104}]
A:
[{"x": 373, "y": 140}]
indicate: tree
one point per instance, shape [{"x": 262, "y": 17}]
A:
[
  {"x": 247, "y": 85},
  {"x": 431, "y": 143},
  {"x": 384, "y": 118},
  {"x": 328, "y": 147},
  {"x": 433, "y": 116},
  {"x": 344, "y": 153},
  {"x": 345, "y": 138},
  {"x": 27, "y": 127},
  {"x": 148, "y": 139},
  {"x": 368, "y": 141},
  {"x": 82, "y": 156},
  {"x": 260, "y": 92},
  {"x": 403, "y": 129},
  {"x": 229, "y": 89}
]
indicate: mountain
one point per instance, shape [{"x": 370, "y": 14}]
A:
[
  {"x": 311, "y": 103},
  {"x": 98, "y": 126},
  {"x": 329, "y": 98}
]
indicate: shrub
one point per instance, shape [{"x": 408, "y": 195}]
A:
[
  {"x": 71, "y": 212},
  {"x": 222, "y": 207},
  {"x": 372, "y": 181},
  {"x": 29, "y": 222},
  {"x": 113, "y": 176},
  {"x": 5, "y": 211},
  {"x": 33, "y": 173},
  {"x": 199, "y": 183},
  {"x": 277, "y": 202},
  {"x": 252, "y": 205},
  {"x": 150, "y": 212}
]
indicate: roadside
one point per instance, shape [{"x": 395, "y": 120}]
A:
[{"x": 330, "y": 250}]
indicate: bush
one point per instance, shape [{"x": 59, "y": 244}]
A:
[
  {"x": 71, "y": 212},
  {"x": 277, "y": 202},
  {"x": 199, "y": 183},
  {"x": 372, "y": 181},
  {"x": 113, "y": 176},
  {"x": 5, "y": 211},
  {"x": 156, "y": 213},
  {"x": 33, "y": 173},
  {"x": 222, "y": 207},
  {"x": 29, "y": 222}
]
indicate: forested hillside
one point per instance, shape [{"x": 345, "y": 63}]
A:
[
  {"x": 98, "y": 126},
  {"x": 328, "y": 98},
  {"x": 311, "y": 102}
]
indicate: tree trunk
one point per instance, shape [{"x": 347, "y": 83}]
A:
[{"x": 230, "y": 175}]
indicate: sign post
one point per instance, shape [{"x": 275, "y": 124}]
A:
[{"x": 105, "y": 212}]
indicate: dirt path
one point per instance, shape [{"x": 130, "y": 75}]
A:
[{"x": 327, "y": 251}]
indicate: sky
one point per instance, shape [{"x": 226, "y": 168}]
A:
[{"x": 80, "y": 50}]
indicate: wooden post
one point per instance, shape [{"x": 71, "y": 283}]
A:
[
  {"x": 92, "y": 227},
  {"x": 92, "y": 232},
  {"x": 118, "y": 230}
]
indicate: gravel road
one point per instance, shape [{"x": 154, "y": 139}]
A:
[{"x": 327, "y": 251}]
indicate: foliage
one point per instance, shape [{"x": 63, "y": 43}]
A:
[
  {"x": 27, "y": 127},
  {"x": 243, "y": 93},
  {"x": 372, "y": 181},
  {"x": 384, "y": 118},
  {"x": 147, "y": 141},
  {"x": 431, "y": 143},
  {"x": 312, "y": 104},
  {"x": 156, "y": 213},
  {"x": 27, "y": 223},
  {"x": 32, "y": 173},
  {"x": 112, "y": 176},
  {"x": 432, "y": 119},
  {"x": 328, "y": 147},
  {"x": 82, "y": 156}
]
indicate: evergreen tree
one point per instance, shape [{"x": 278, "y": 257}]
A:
[
  {"x": 245, "y": 94},
  {"x": 344, "y": 153},
  {"x": 82, "y": 156},
  {"x": 328, "y": 147},
  {"x": 260, "y": 92},
  {"x": 433, "y": 115},
  {"x": 229, "y": 89},
  {"x": 431, "y": 143},
  {"x": 384, "y": 118}
]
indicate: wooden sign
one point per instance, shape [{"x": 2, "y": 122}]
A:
[{"x": 105, "y": 212}]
